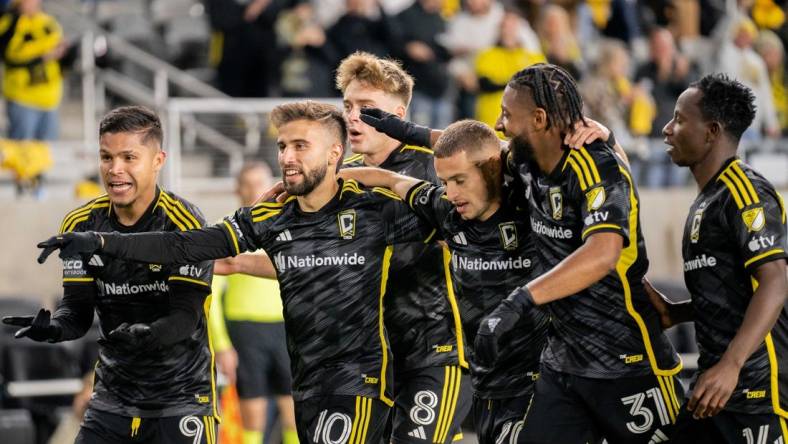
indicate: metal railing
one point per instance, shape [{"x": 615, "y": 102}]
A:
[{"x": 180, "y": 110}]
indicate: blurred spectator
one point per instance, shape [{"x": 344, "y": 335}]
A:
[
  {"x": 473, "y": 29},
  {"x": 32, "y": 82},
  {"x": 770, "y": 48},
  {"x": 611, "y": 99},
  {"x": 666, "y": 75},
  {"x": 364, "y": 27},
  {"x": 423, "y": 57},
  {"x": 616, "y": 19},
  {"x": 244, "y": 30},
  {"x": 305, "y": 72},
  {"x": 736, "y": 57},
  {"x": 558, "y": 40},
  {"x": 496, "y": 65}
]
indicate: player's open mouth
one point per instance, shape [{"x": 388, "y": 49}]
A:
[
  {"x": 291, "y": 173},
  {"x": 461, "y": 206},
  {"x": 119, "y": 187}
]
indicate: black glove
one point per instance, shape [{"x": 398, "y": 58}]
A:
[
  {"x": 133, "y": 336},
  {"x": 38, "y": 328},
  {"x": 498, "y": 323},
  {"x": 71, "y": 245},
  {"x": 391, "y": 125}
]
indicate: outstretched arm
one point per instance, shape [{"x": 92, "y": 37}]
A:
[
  {"x": 405, "y": 131},
  {"x": 258, "y": 265},
  {"x": 378, "y": 177}
]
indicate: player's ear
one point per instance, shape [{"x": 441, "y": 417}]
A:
[
  {"x": 539, "y": 118},
  {"x": 335, "y": 154},
  {"x": 400, "y": 111},
  {"x": 713, "y": 132},
  {"x": 158, "y": 160}
]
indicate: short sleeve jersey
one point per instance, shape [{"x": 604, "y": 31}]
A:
[
  {"x": 421, "y": 315},
  {"x": 610, "y": 329},
  {"x": 489, "y": 259},
  {"x": 172, "y": 381},
  {"x": 736, "y": 224}
]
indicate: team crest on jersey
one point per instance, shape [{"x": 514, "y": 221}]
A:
[
  {"x": 347, "y": 224},
  {"x": 695, "y": 229},
  {"x": 154, "y": 267},
  {"x": 754, "y": 219},
  {"x": 508, "y": 235},
  {"x": 556, "y": 203},
  {"x": 596, "y": 198}
]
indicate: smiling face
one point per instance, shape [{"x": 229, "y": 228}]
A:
[
  {"x": 308, "y": 153},
  {"x": 129, "y": 166},
  {"x": 516, "y": 124},
  {"x": 686, "y": 133},
  {"x": 363, "y": 138}
]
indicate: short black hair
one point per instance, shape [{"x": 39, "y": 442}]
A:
[
  {"x": 726, "y": 101},
  {"x": 555, "y": 91},
  {"x": 133, "y": 119},
  {"x": 465, "y": 135}
]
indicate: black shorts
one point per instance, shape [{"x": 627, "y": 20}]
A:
[
  {"x": 571, "y": 409},
  {"x": 108, "y": 428},
  {"x": 499, "y": 421},
  {"x": 340, "y": 419},
  {"x": 430, "y": 405},
  {"x": 263, "y": 362},
  {"x": 729, "y": 428}
]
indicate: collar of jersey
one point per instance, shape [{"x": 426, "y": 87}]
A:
[
  {"x": 330, "y": 206},
  {"x": 716, "y": 176},
  {"x": 113, "y": 219}
]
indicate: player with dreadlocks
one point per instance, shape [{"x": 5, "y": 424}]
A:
[{"x": 607, "y": 370}]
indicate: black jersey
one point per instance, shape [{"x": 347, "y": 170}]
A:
[
  {"x": 489, "y": 259},
  {"x": 332, "y": 265},
  {"x": 737, "y": 223},
  {"x": 170, "y": 381},
  {"x": 421, "y": 312},
  {"x": 610, "y": 329}
]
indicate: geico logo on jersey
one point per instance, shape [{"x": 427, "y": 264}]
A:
[
  {"x": 477, "y": 264},
  {"x": 539, "y": 227},
  {"x": 760, "y": 242},
  {"x": 596, "y": 217},
  {"x": 700, "y": 262},
  {"x": 283, "y": 262},
  {"x": 108, "y": 288},
  {"x": 190, "y": 270},
  {"x": 73, "y": 268}
]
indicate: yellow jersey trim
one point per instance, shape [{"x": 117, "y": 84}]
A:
[
  {"x": 82, "y": 214},
  {"x": 455, "y": 311},
  {"x": 353, "y": 158},
  {"x": 736, "y": 167},
  {"x": 381, "y": 329},
  {"x": 761, "y": 256},
  {"x": 182, "y": 208},
  {"x": 414, "y": 191},
  {"x": 232, "y": 236},
  {"x": 598, "y": 227},
  {"x": 78, "y": 279},
  {"x": 206, "y": 310},
  {"x": 185, "y": 279},
  {"x": 417, "y": 148},
  {"x": 386, "y": 192},
  {"x": 628, "y": 257}
]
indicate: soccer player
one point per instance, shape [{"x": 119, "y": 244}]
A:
[
  {"x": 251, "y": 344},
  {"x": 607, "y": 369},
  {"x": 331, "y": 243},
  {"x": 421, "y": 312},
  {"x": 491, "y": 254},
  {"x": 154, "y": 380},
  {"x": 734, "y": 251}
]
